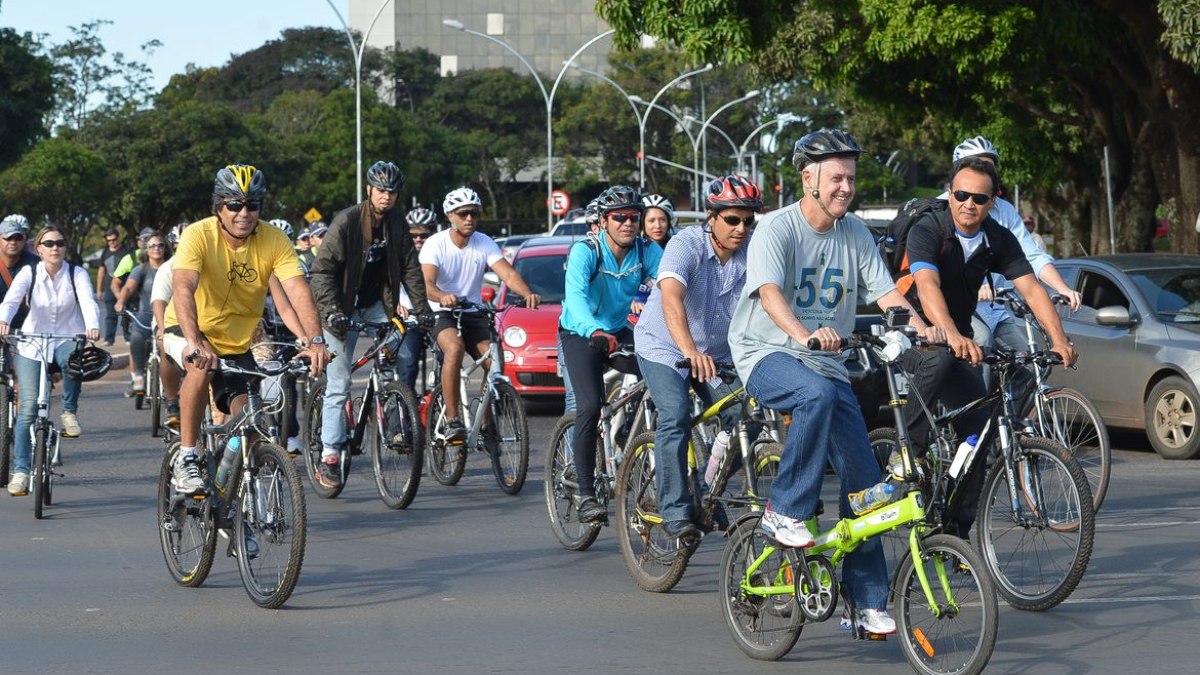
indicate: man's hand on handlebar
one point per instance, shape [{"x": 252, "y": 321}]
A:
[
  {"x": 532, "y": 301},
  {"x": 826, "y": 339},
  {"x": 605, "y": 343},
  {"x": 448, "y": 300},
  {"x": 933, "y": 335},
  {"x": 1067, "y": 352},
  {"x": 200, "y": 355},
  {"x": 318, "y": 357},
  {"x": 93, "y": 333},
  {"x": 703, "y": 367},
  {"x": 964, "y": 348},
  {"x": 338, "y": 323},
  {"x": 1074, "y": 299}
]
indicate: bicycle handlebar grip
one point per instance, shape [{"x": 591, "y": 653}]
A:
[
  {"x": 1058, "y": 299},
  {"x": 683, "y": 363},
  {"x": 815, "y": 344}
]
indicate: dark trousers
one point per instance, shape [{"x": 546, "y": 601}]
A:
[
  {"x": 110, "y": 317},
  {"x": 586, "y": 367}
]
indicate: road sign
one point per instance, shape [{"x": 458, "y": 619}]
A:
[
  {"x": 560, "y": 202},
  {"x": 312, "y": 216}
]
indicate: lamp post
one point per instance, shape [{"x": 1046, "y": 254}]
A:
[
  {"x": 637, "y": 114},
  {"x": 782, "y": 121},
  {"x": 547, "y": 96},
  {"x": 642, "y": 125},
  {"x": 700, "y": 134},
  {"x": 358, "y": 50}
]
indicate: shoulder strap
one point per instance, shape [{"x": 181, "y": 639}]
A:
[
  {"x": 594, "y": 244},
  {"x": 6, "y": 274}
]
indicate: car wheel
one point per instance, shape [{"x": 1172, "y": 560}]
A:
[{"x": 1171, "y": 419}]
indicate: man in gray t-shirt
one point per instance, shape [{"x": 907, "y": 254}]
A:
[{"x": 808, "y": 267}]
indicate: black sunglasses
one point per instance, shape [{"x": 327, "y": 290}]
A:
[
  {"x": 620, "y": 218},
  {"x": 468, "y": 213},
  {"x": 237, "y": 206},
  {"x": 15, "y": 237},
  {"x": 156, "y": 245},
  {"x": 420, "y": 235},
  {"x": 978, "y": 198},
  {"x": 113, "y": 240},
  {"x": 54, "y": 243},
  {"x": 734, "y": 221}
]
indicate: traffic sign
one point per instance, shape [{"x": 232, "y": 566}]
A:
[
  {"x": 559, "y": 202},
  {"x": 312, "y": 216}
]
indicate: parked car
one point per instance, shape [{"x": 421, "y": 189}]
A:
[
  {"x": 1138, "y": 336},
  {"x": 509, "y": 245},
  {"x": 529, "y": 337}
]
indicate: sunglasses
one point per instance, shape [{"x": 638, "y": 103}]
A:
[
  {"x": 467, "y": 213},
  {"x": 15, "y": 237},
  {"x": 980, "y": 199},
  {"x": 420, "y": 235},
  {"x": 734, "y": 221},
  {"x": 621, "y": 218},
  {"x": 111, "y": 241},
  {"x": 54, "y": 243},
  {"x": 235, "y": 207},
  {"x": 156, "y": 245}
]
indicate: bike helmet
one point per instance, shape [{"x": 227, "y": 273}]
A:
[
  {"x": 460, "y": 197},
  {"x": 619, "y": 197},
  {"x": 285, "y": 227},
  {"x": 16, "y": 221},
  {"x": 385, "y": 176},
  {"x": 734, "y": 191},
  {"x": 175, "y": 233},
  {"x": 591, "y": 213},
  {"x": 238, "y": 181},
  {"x": 421, "y": 217},
  {"x": 661, "y": 202},
  {"x": 88, "y": 363},
  {"x": 977, "y": 145},
  {"x": 823, "y": 144}
]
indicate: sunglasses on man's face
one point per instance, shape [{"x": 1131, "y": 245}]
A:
[
  {"x": 15, "y": 237},
  {"x": 468, "y": 213},
  {"x": 620, "y": 218},
  {"x": 734, "y": 221},
  {"x": 111, "y": 241},
  {"x": 237, "y": 206},
  {"x": 54, "y": 243},
  {"x": 978, "y": 198}
]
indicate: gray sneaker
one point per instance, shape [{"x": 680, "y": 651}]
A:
[
  {"x": 185, "y": 477},
  {"x": 18, "y": 485}
]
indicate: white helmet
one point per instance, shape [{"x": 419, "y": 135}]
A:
[
  {"x": 285, "y": 227},
  {"x": 656, "y": 201},
  {"x": 458, "y": 198},
  {"x": 16, "y": 220},
  {"x": 977, "y": 145}
]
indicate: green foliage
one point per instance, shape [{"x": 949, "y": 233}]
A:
[
  {"x": 58, "y": 181},
  {"x": 1182, "y": 35},
  {"x": 27, "y": 86},
  {"x": 88, "y": 80}
]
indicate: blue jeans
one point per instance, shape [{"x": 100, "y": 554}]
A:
[
  {"x": 827, "y": 425},
  {"x": 337, "y": 377},
  {"x": 28, "y": 371},
  {"x": 408, "y": 361},
  {"x": 673, "y": 401}
]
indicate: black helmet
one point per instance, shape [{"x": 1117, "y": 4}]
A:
[
  {"x": 619, "y": 197},
  {"x": 239, "y": 181},
  {"x": 88, "y": 363},
  {"x": 385, "y": 176},
  {"x": 823, "y": 144}
]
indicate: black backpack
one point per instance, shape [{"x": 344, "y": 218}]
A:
[{"x": 893, "y": 246}]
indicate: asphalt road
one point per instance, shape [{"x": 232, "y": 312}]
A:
[{"x": 468, "y": 580}]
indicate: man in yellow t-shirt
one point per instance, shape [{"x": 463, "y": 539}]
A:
[{"x": 222, "y": 273}]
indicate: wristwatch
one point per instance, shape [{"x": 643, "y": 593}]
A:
[{"x": 317, "y": 340}]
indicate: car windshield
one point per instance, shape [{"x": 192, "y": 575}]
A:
[
  {"x": 1174, "y": 293},
  {"x": 545, "y": 274}
]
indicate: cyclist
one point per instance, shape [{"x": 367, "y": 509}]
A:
[
  {"x": 808, "y": 267},
  {"x": 304, "y": 250},
  {"x": 109, "y": 260},
  {"x": 120, "y": 276},
  {"x": 61, "y": 301},
  {"x": 141, "y": 283},
  {"x": 14, "y": 257},
  {"x": 315, "y": 236},
  {"x": 359, "y": 272},
  {"x": 422, "y": 223},
  {"x": 454, "y": 262},
  {"x": 160, "y": 295},
  {"x": 603, "y": 276},
  {"x": 687, "y": 316},
  {"x": 220, "y": 280},
  {"x": 659, "y": 220}
]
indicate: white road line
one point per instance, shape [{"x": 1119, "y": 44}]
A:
[
  {"x": 1168, "y": 523},
  {"x": 1145, "y": 598}
]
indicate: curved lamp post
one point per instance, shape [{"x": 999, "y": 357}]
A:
[
  {"x": 700, "y": 134},
  {"x": 642, "y": 126}
]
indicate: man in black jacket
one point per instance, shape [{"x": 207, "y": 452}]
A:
[{"x": 365, "y": 258}]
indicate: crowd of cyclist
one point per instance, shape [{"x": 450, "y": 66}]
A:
[{"x": 706, "y": 295}]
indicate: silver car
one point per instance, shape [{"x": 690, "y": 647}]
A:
[{"x": 1138, "y": 336}]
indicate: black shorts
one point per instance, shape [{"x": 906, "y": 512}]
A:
[
  {"x": 474, "y": 327},
  {"x": 226, "y": 386}
]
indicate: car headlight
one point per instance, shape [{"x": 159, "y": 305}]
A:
[
  {"x": 509, "y": 357},
  {"x": 515, "y": 336}
]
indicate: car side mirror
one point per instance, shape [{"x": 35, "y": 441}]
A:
[
  {"x": 1114, "y": 315},
  {"x": 488, "y": 294}
]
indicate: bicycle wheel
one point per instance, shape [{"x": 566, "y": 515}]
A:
[
  {"x": 655, "y": 561},
  {"x": 269, "y": 528},
  {"x": 764, "y": 625},
  {"x": 38, "y": 479},
  {"x": 958, "y": 634},
  {"x": 7, "y": 418},
  {"x": 509, "y": 448},
  {"x": 186, "y": 531},
  {"x": 311, "y": 438},
  {"x": 1071, "y": 419},
  {"x": 559, "y": 485},
  {"x": 397, "y": 445},
  {"x": 446, "y": 462},
  {"x": 1037, "y": 546},
  {"x": 154, "y": 394}
]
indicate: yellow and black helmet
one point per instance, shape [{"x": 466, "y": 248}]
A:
[{"x": 239, "y": 181}]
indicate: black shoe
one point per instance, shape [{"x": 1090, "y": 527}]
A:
[
  {"x": 590, "y": 510},
  {"x": 680, "y": 529},
  {"x": 720, "y": 519},
  {"x": 455, "y": 431},
  {"x": 329, "y": 473}
]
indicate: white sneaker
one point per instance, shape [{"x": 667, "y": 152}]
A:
[
  {"x": 785, "y": 530},
  {"x": 186, "y": 477},
  {"x": 18, "y": 485},
  {"x": 293, "y": 445},
  {"x": 874, "y": 621},
  {"x": 70, "y": 423}
]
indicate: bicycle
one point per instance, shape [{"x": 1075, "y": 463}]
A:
[
  {"x": 655, "y": 561},
  {"x": 495, "y": 419},
  {"x": 947, "y": 611},
  {"x": 386, "y": 411},
  {"x": 153, "y": 391},
  {"x": 259, "y": 506},
  {"x": 47, "y": 451},
  {"x": 8, "y": 412}
]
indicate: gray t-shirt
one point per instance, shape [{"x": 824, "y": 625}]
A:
[{"x": 826, "y": 275}]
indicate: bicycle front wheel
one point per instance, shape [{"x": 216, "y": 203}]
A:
[
  {"x": 1037, "y": 543},
  {"x": 757, "y": 593},
  {"x": 654, "y": 560},
  {"x": 398, "y": 445},
  {"x": 507, "y": 439},
  {"x": 1071, "y": 419},
  {"x": 561, "y": 486},
  {"x": 446, "y": 462},
  {"x": 154, "y": 395},
  {"x": 269, "y": 529},
  {"x": 39, "y": 479},
  {"x": 185, "y": 527},
  {"x": 957, "y": 634}
]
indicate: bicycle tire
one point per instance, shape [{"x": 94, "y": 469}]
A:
[
  {"x": 570, "y": 532},
  {"x": 6, "y": 431},
  {"x": 274, "y": 492},
  {"x": 186, "y": 531},
  {"x": 52, "y": 450},
  {"x": 287, "y": 407},
  {"x": 510, "y": 451},
  {"x": 446, "y": 463},
  {"x": 41, "y": 467},
  {"x": 763, "y": 627},
  {"x": 1038, "y": 557},
  {"x": 655, "y": 561},
  {"x": 311, "y": 438},
  {"x": 957, "y": 638},
  {"x": 1073, "y": 420},
  {"x": 895, "y": 542},
  {"x": 397, "y": 463},
  {"x": 154, "y": 393}
]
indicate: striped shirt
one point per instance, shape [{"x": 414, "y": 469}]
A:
[{"x": 711, "y": 295}]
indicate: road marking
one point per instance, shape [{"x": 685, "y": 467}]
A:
[
  {"x": 1145, "y": 598},
  {"x": 1169, "y": 523}
]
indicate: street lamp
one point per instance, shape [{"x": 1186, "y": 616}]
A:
[
  {"x": 547, "y": 96},
  {"x": 637, "y": 114},
  {"x": 782, "y": 121},
  {"x": 700, "y": 134},
  {"x": 642, "y": 125},
  {"x": 358, "y": 50}
]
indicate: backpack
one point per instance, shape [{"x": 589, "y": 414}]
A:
[
  {"x": 594, "y": 244},
  {"x": 893, "y": 245},
  {"x": 70, "y": 275}
]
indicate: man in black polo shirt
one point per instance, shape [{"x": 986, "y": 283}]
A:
[{"x": 950, "y": 251}]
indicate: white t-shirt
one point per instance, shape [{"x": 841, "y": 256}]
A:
[
  {"x": 460, "y": 270},
  {"x": 163, "y": 287}
]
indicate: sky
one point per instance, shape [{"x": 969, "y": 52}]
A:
[{"x": 203, "y": 32}]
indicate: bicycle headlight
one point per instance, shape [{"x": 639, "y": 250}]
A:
[{"x": 515, "y": 336}]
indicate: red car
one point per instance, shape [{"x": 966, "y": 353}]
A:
[{"x": 529, "y": 337}]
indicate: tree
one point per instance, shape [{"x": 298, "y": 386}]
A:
[
  {"x": 86, "y": 81},
  {"x": 59, "y": 181},
  {"x": 26, "y": 80}
]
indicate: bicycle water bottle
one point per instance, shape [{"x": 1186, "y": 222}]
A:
[
  {"x": 868, "y": 500},
  {"x": 232, "y": 447},
  {"x": 962, "y": 458},
  {"x": 719, "y": 447}
]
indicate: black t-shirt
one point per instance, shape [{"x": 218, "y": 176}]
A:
[
  {"x": 25, "y": 259},
  {"x": 932, "y": 240},
  {"x": 375, "y": 272}
]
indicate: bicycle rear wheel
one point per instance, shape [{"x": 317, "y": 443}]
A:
[
  {"x": 764, "y": 625},
  {"x": 311, "y": 438},
  {"x": 509, "y": 448},
  {"x": 269, "y": 528},
  {"x": 39, "y": 478},
  {"x": 958, "y": 635},
  {"x": 7, "y": 417},
  {"x": 186, "y": 531},
  {"x": 446, "y": 462},
  {"x": 655, "y": 561},
  {"x": 559, "y": 486},
  {"x": 154, "y": 394},
  {"x": 397, "y": 445},
  {"x": 1038, "y": 545},
  {"x": 1071, "y": 419}
]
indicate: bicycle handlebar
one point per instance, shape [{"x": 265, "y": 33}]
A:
[
  {"x": 725, "y": 370},
  {"x": 18, "y": 334},
  {"x": 266, "y": 368},
  {"x": 133, "y": 318}
]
